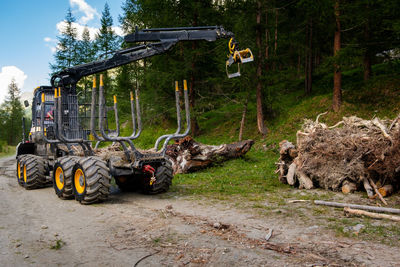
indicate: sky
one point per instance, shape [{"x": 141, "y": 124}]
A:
[{"x": 28, "y": 31}]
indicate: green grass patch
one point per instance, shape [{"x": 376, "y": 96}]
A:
[
  {"x": 58, "y": 244},
  {"x": 7, "y": 151}
]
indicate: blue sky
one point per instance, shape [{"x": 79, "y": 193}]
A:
[{"x": 28, "y": 31}]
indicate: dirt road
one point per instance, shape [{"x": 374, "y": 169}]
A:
[{"x": 38, "y": 229}]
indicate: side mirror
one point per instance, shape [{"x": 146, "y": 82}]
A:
[{"x": 26, "y": 103}]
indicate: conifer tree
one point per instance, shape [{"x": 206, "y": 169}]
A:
[
  {"x": 66, "y": 51},
  {"x": 12, "y": 112},
  {"x": 106, "y": 40}
]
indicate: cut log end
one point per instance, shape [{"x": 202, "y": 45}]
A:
[
  {"x": 348, "y": 187},
  {"x": 386, "y": 190}
]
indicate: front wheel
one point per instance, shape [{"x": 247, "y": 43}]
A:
[
  {"x": 62, "y": 176},
  {"x": 20, "y": 166},
  {"x": 91, "y": 180}
]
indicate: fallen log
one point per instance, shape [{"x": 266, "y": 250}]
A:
[
  {"x": 187, "y": 155},
  {"x": 374, "y": 215},
  {"x": 356, "y": 206},
  {"x": 290, "y": 177},
  {"x": 377, "y": 192},
  {"x": 304, "y": 180},
  {"x": 368, "y": 188}
]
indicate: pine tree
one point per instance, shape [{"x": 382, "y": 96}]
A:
[
  {"x": 66, "y": 51},
  {"x": 106, "y": 40},
  {"x": 86, "y": 48},
  {"x": 12, "y": 112}
]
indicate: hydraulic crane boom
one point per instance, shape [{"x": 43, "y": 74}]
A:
[{"x": 163, "y": 40}]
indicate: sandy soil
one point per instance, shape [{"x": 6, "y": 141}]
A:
[{"x": 39, "y": 229}]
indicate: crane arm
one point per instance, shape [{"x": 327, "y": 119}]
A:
[{"x": 163, "y": 39}]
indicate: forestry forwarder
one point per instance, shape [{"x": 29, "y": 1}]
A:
[{"x": 60, "y": 141}]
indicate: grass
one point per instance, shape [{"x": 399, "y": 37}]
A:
[
  {"x": 58, "y": 244},
  {"x": 9, "y": 151}
]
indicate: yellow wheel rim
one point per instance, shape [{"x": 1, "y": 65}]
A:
[
  {"x": 59, "y": 177},
  {"x": 79, "y": 181},
  {"x": 19, "y": 170},
  {"x": 25, "y": 173}
]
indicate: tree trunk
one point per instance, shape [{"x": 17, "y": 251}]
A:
[
  {"x": 243, "y": 118},
  {"x": 266, "y": 40},
  {"x": 309, "y": 58},
  {"x": 260, "y": 114},
  {"x": 367, "y": 53},
  {"x": 187, "y": 155},
  {"x": 276, "y": 38},
  {"x": 193, "y": 120},
  {"x": 337, "y": 76}
]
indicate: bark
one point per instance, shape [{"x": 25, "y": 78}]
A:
[
  {"x": 337, "y": 76},
  {"x": 266, "y": 40},
  {"x": 309, "y": 57},
  {"x": 356, "y": 206},
  {"x": 276, "y": 38},
  {"x": 290, "y": 177},
  {"x": 348, "y": 210},
  {"x": 367, "y": 53},
  {"x": 242, "y": 122},
  {"x": 193, "y": 120},
  {"x": 187, "y": 155},
  {"x": 260, "y": 113}
]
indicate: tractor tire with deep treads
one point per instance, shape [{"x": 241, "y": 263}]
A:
[
  {"x": 20, "y": 167},
  {"x": 62, "y": 176},
  {"x": 163, "y": 175},
  {"x": 34, "y": 172},
  {"x": 91, "y": 180}
]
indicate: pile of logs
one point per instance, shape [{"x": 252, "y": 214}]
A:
[{"x": 352, "y": 155}]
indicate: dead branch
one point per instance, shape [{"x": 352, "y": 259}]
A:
[
  {"x": 356, "y": 206},
  {"x": 377, "y": 191},
  {"x": 374, "y": 215},
  {"x": 368, "y": 188}
]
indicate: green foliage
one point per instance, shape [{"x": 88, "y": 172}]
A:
[
  {"x": 66, "y": 54},
  {"x": 11, "y": 113},
  {"x": 106, "y": 40}
]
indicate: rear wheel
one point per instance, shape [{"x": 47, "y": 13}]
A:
[
  {"x": 163, "y": 175},
  {"x": 34, "y": 172},
  {"x": 62, "y": 176},
  {"x": 91, "y": 180},
  {"x": 20, "y": 164}
]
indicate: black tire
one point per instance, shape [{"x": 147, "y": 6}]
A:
[
  {"x": 34, "y": 172},
  {"x": 62, "y": 176},
  {"x": 91, "y": 180},
  {"x": 19, "y": 171},
  {"x": 163, "y": 175}
]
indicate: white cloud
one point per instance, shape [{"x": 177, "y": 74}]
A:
[
  {"x": 49, "y": 40},
  {"x": 84, "y": 7},
  {"x": 118, "y": 30},
  {"x": 92, "y": 31},
  {"x": 6, "y": 75}
]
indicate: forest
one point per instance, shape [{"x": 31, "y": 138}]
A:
[{"x": 310, "y": 57}]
